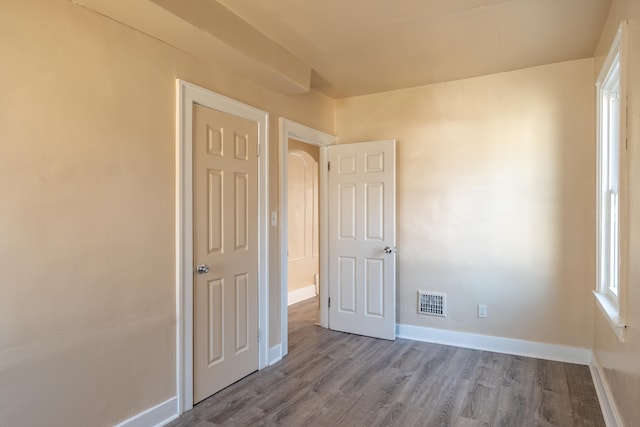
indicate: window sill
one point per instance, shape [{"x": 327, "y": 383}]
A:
[{"x": 611, "y": 313}]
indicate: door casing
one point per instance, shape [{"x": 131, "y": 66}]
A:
[
  {"x": 188, "y": 94},
  {"x": 292, "y": 130}
]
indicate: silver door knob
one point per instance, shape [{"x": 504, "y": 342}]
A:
[
  {"x": 389, "y": 250},
  {"x": 202, "y": 269}
]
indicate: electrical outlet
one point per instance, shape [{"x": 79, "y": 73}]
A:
[{"x": 482, "y": 311}]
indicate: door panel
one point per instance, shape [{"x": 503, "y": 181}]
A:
[
  {"x": 347, "y": 281},
  {"x": 347, "y": 211},
  {"x": 361, "y": 225},
  {"x": 225, "y": 173},
  {"x": 215, "y": 313},
  {"x": 374, "y": 287},
  {"x": 374, "y": 215},
  {"x": 242, "y": 313},
  {"x": 241, "y": 214}
]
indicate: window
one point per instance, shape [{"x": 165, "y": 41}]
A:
[
  {"x": 610, "y": 169},
  {"x": 609, "y": 175}
]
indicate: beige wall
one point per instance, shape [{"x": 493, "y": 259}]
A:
[
  {"x": 495, "y": 198},
  {"x": 312, "y": 150},
  {"x": 495, "y": 206},
  {"x": 620, "y": 362},
  {"x": 87, "y": 295}
]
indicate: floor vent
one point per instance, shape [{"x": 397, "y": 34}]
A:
[{"x": 432, "y": 303}]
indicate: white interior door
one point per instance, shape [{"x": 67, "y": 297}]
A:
[
  {"x": 362, "y": 238},
  {"x": 225, "y": 197}
]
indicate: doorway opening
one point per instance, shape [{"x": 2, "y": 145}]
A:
[
  {"x": 303, "y": 247},
  {"x": 315, "y": 139}
]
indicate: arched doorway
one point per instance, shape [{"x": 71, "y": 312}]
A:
[{"x": 303, "y": 221}]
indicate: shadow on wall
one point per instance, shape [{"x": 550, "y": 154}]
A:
[{"x": 495, "y": 198}]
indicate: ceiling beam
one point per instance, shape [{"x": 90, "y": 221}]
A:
[{"x": 212, "y": 33}]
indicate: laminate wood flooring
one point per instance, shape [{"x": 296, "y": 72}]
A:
[{"x": 331, "y": 378}]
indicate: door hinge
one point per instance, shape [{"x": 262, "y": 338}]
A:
[
  {"x": 329, "y": 166},
  {"x": 329, "y": 302},
  {"x": 258, "y": 150},
  {"x": 258, "y": 334}
]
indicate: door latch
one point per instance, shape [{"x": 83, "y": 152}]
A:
[{"x": 202, "y": 269}]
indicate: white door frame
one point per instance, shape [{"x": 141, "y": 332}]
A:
[
  {"x": 290, "y": 129},
  {"x": 188, "y": 94}
]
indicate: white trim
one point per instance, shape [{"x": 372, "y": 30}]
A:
[
  {"x": 613, "y": 308},
  {"x": 610, "y": 312},
  {"x": 159, "y": 415},
  {"x": 301, "y": 294},
  {"x": 275, "y": 354},
  {"x": 290, "y": 129},
  {"x": 605, "y": 397},
  {"x": 538, "y": 350},
  {"x": 615, "y": 49},
  {"x": 188, "y": 94}
]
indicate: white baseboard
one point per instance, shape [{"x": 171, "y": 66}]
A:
[
  {"x": 538, "y": 350},
  {"x": 275, "y": 354},
  {"x": 301, "y": 294},
  {"x": 607, "y": 404},
  {"x": 157, "y": 416}
]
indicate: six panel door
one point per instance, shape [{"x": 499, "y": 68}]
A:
[
  {"x": 225, "y": 198},
  {"x": 362, "y": 238}
]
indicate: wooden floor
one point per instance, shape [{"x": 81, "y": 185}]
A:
[{"x": 331, "y": 378}]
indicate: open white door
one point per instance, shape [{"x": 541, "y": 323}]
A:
[{"x": 362, "y": 238}]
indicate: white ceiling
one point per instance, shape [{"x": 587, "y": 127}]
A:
[{"x": 357, "y": 47}]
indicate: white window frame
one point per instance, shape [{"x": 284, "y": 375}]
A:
[{"x": 611, "y": 225}]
